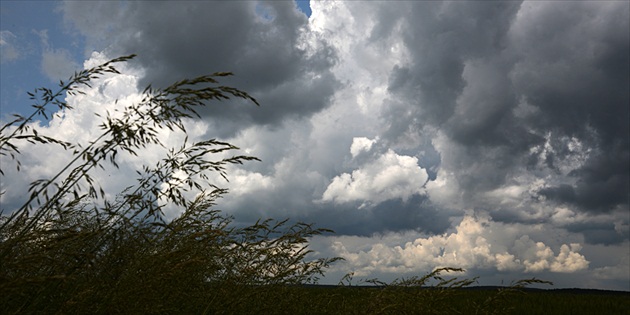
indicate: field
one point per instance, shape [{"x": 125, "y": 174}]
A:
[
  {"x": 471, "y": 300},
  {"x": 572, "y": 302}
]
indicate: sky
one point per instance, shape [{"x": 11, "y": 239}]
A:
[{"x": 489, "y": 136}]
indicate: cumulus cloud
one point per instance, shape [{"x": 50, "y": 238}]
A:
[
  {"x": 536, "y": 256},
  {"x": 360, "y": 144},
  {"x": 390, "y": 176},
  {"x": 477, "y": 242}
]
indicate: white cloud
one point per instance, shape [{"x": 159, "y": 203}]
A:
[
  {"x": 476, "y": 243},
  {"x": 390, "y": 176},
  {"x": 360, "y": 144},
  {"x": 8, "y": 50},
  {"x": 109, "y": 94},
  {"x": 243, "y": 182},
  {"x": 569, "y": 260},
  {"x": 537, "y": 257}
]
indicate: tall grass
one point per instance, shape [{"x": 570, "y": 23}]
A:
[{"x": 67, "y": 249}]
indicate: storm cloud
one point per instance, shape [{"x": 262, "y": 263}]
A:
[
  {"x": 263, "y": 43},
  {"x": 522, "y": 87}
]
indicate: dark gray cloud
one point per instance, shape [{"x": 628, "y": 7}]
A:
[
  {"x": 261, "y": 42},
  {"x": 395, "y": 215},
  {"x": 510, "y": 99},
  {"x": 503, "y": 79},
  {"x": 513, "y": 88}
]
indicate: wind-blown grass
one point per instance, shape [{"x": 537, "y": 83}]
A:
[{"x": 67, "y": 249}]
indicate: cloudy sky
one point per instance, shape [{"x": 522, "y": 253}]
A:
[{"x": 491, "y": 136}]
